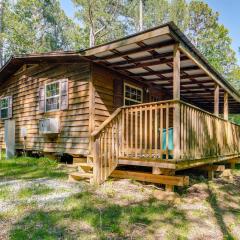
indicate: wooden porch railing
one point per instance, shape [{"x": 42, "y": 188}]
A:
[
  {"x": 205, "y": 135},
  {"x": 145, "y": 131},
  {"x": 106, "y": 147}
]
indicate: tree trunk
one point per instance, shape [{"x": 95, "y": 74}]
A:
[
  {"x": 140, "y": 15},
  {"x": 91, "y": 38},
  {"x": 1, "y": 31}
]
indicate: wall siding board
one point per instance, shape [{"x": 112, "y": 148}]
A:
[{"x": 24, "y": 87}]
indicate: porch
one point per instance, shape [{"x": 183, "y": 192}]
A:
[
  {"x": 171, "y": 135},
  {"x": 188, "y": 125}
]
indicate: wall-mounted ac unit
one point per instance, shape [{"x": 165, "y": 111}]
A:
[{"x": 49, "y": 126}]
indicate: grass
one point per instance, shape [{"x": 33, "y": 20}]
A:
[
  {"x": 115, "y": 210},
  {"x": 105, "y": 219},
  {"x": 29, "y": 168},
  {"x": 4, "y": 193},
  {"x": 35, "y": 189}
]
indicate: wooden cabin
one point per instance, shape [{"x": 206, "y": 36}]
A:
[{"x": 149, "y": 99}]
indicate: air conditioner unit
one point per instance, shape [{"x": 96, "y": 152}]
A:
[{"x": 49, "y": 126}]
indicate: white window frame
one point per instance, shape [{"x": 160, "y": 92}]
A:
[
  {"x": 129, "y": 99},
  {"x": 45, "y": 96},
  {"x": 5, "y": 107}
]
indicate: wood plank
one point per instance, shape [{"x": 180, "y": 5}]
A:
[
  {"x": 216, "y": 100},
  {"x": 148, "y": 162},
  {"x": 126, "y": 41},
  {"x": 148, "y": 177},
  {"x": 176, "y": 95},
  {"x": 217, "y": 168},
  {"x": 225, "y": 106}
]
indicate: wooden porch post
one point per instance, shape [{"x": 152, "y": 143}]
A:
[
  {"x": 176, "y": 96},
  {"x": 91, "y": 108},
  {"x": 216, "y": 100},
  {"x": 225, "y": 106},
  {"x": 176, "y": 73}
]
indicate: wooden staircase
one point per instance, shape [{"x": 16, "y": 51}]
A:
[{"x": 85, "y": 171}]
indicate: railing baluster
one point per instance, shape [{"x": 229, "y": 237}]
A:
[
  {"x": 151, "y": 130},
  {"x": 156, "y": 130},
  {"x": 161, "y": 131},
  {"x": 167, "y": 132},
  {"x": 146, "y": 130},
  {"x": 136, "y": 132},
  {"x": 141, "y": 131},
  {"x": 127, "y": 133},
  {"x": 132, "y": 131},
  {"x": 122, "y": 132}
]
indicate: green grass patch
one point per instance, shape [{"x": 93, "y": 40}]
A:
[
  {"x": 4, "y": 193},
  {"x": 106, "y": 220},
  {"x": 30, "y": 168},
  {"x": 36, "y": 189}
]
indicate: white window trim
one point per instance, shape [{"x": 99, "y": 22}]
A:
[
  {"x": 45, "y": 96},
  {"x": 4, "y": 107},
  {"x": 133, "y": 100}
]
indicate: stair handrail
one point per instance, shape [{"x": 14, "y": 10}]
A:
[{"x": 106, "y": 122}]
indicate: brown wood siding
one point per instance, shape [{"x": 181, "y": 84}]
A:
[
  {"x": 103, "y": 95},
  {"x": 109, "y": 87},
  {"x": 74, "y": 122}
]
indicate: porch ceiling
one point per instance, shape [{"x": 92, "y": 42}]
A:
[{"x": 149, "y": 60}]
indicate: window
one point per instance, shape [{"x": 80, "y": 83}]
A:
[
  {"x": 52, "y": 97},
  {"x": 132, "y": 95},
  {"x": 4, "y": 107}
]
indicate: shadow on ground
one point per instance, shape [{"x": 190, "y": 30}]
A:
[{"x": 98, "y": 218}]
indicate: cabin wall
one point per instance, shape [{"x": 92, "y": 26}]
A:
[
  {"x": 109, "y": 92},
  {"x": 74, "y": 122}
]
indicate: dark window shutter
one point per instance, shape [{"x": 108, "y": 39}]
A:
[
  {"x": 118, "y": 93},
  {"x": 64, "y": 94},
  {"x": 10, "y": 107},
  {"x": 41, "y": 99}
]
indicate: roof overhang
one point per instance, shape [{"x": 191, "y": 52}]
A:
[{"x": 148, "y": 57}]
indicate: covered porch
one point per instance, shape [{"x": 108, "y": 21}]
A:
[{"x": 186, "y": 127}]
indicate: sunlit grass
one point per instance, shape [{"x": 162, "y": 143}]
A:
[
  {"x": 105, "y": 219},
  {"x": 36, "y": 189},
  {"x": 4, "y": 193},
  {"x": 29, "y": 168}
]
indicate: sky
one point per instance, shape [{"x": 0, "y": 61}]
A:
[{"x": 228, "y": 10}]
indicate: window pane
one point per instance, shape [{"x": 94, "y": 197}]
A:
[
  {"x": 4, "y": 113},
  {"x": 52, "y": 104},
  {"x": 4, "y": 103},
  {"x": 52, "y": 90},
  {"x": 132, "y": 95}
]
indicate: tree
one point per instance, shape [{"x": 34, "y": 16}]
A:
[
  {"x": 38, "y": 26},
  {"x": 211, "y": 38},
  {"x": 234, "y": 77},
  {"x": 178, "y": 13},
  {"x": 197, "y": 20},
  {"x": 100, "y": 18},
  {"x": 156, "y": 13},
  {"x": 1, "y": 31},
  {"x": 4, "y": 8}
]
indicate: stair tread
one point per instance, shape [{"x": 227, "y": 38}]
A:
[
  {"x": 84, "y": 164},
  {"x": 79, "y": 174}
]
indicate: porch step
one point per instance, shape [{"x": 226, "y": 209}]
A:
[
  {"x": 84, "y": 164},
  {"x": 169, "y": 181},
  {"x": 76, "y": 176}
]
